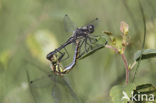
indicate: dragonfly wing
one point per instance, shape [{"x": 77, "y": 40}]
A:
[
  {"x": 41, "y": 82},
  {"x": 56, "y": 94},
  {"x": 70, "y": 89},
  {"x": 67, "y": 89},
  {"x": 30, "y": 89},
  {"x": 93, "y": 47},
  {"x": 94, "y": 22},
  {"x": 68, "y": 24},
  {"x": 84, "y": 55}
]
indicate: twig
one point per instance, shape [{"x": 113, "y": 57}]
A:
[
  {"x": 132, "y": 66},
  {"x": 111, "y": 47},
  {"x": 123, "y": 58},
  {"x": 126, "y": 66}
]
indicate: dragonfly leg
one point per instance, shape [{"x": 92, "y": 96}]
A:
[
  {"x": 89, "y": 44},
  {"x": 62, "y": 54},
  {"x": 82, "y": 43},
  {"x": 85, "y": 46},
  {"x": 92, "y": 40},
  {"x": 67, "y": 55},
  {"x": 60, "y": 57},
  {"x": 86, "y": 50},
  {"x": 80, "y": 54}
]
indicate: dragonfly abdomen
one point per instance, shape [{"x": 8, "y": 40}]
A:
[{"x": 69, "y": 41}]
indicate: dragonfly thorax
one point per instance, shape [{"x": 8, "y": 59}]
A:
[
  {"x": 84, "y": 31},
  {"x": 88, "y": 29}
]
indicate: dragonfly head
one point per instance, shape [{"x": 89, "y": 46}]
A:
[
  {"x": 53, "y": 59},
  {"x": 90, "y": 28}
]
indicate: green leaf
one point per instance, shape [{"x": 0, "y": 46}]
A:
[
  {"x": 146, "y": 54},
  {"x": 146, "y": 90},
  {"x": 117, "y": 93}
]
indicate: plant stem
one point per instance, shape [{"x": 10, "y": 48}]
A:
[
  {"x": 126, "y": 67},
  {"x": 124, "y": 60},
  {"x": 132, "y": 66},
  {"x": 111, "y": 47}
]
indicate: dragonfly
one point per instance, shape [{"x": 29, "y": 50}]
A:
[
  {"x": 83, "y": 34},
  {"x": 56, "y": 65},
  {"x": 59, "y": 69},
  {"x": 56, "y": 81}
]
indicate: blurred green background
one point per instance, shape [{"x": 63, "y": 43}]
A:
[{"x": 29, "y": 29}]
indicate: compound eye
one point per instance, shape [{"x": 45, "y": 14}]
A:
[{"x": 91, "y": 28}]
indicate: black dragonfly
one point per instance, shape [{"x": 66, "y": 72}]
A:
[{"x": 83, "y": 34}]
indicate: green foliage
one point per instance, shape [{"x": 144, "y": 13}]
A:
[
  {"x": 146, "y": 54},
  {"x": 145, "y": 93},
  {"x": 117, "y": 92}
]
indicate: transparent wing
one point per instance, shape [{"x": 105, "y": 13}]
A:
[
  {"x": 68, "y": 24},
  {"x": 67, "y": 89},
  {"x": 70, "y": 90},
  {"x": 41, "y": 82},
  {"x": 48, "y": 85},
  {"x": 94, "y": 22},
  {"x": 91, "y": 51},
  {"x": 92, "y": 47},
  {"x": 30, "y": 89},
  {"x": 56, "y": 94}
]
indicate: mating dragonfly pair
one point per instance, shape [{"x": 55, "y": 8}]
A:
[{"x": 83, "y": 39}]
